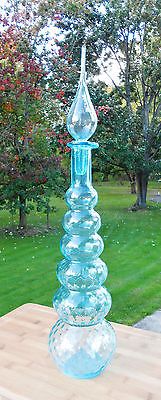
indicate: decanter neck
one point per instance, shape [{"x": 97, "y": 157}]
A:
[
  {"x": 81, "y": 162},
  {"x": 81, "y": 166}
]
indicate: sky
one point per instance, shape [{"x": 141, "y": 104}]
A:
[
  {"x": 3, "y": 2},
  {"x": 113, "y": 71}
]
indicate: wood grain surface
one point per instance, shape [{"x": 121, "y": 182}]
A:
[{"x": 28, "y": 373}]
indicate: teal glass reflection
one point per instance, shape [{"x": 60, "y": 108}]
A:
[{"x": 82, "y": 342}]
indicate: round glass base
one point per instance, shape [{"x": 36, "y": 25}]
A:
[{"x": 82, "y": 352}]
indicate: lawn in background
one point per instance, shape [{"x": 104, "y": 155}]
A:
[{"x": 132, "y": 252}]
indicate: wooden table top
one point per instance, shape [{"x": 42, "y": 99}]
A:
[{"x": 28, "y": 373}]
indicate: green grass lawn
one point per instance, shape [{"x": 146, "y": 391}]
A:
[{"x": 132, "y": 252}]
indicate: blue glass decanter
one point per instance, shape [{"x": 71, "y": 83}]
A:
[{"x": 82, "y": 342}]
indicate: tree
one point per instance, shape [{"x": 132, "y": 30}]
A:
[
  {"x": 128, "y": 32},
  {"x": 114, "y": 132},
  {"x": 27, "y": 162}
]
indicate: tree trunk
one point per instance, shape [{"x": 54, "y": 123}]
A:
[
  {"x": 48, "y": 210},
  {"x": 22, "y": 213},
  {"x": 12, "y": 223},
  {"x": 142, "y": 184},
  {"x": 106, "y": 177},
  {"x": 133, "y": 187},
  {"x": 47, "y": 220},
  {"x": 132, "y": 180}
]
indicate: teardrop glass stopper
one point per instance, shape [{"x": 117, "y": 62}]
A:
[{"x": 82, "y": 118}]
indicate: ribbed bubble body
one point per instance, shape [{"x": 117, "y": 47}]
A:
[{"x": 82, "y": 342}]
